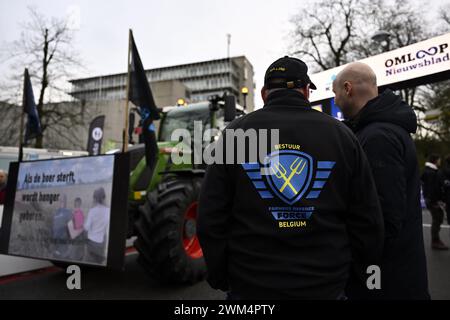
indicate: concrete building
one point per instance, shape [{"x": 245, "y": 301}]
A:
[
  {"x": 201, "y": 80},
  {"x": 105, "y": 95},
  {"x": 67, "y": 133}
]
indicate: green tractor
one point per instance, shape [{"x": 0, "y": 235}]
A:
[{"x": 163, "y": 202}]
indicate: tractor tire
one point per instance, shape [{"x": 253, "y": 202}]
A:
[{"x": 167, "y": 240}]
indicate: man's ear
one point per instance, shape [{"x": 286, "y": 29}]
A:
[
  {"x": 304, "y": 91},
  {"x": 348, "y": 87},
  {"x": 264, "y": 94},
  {"x": 307, "y": 92}
]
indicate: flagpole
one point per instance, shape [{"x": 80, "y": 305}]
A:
[
  {"x": 22, "y": 114},
  {"x": 127, "y": 100}
]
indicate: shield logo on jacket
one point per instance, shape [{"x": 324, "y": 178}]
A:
[{"x": 289, "y": 174}]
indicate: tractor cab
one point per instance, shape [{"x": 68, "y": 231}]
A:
[{"x": 212, "y": 114}]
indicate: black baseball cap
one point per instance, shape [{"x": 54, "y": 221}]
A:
[{"x": 287, "y": 72}]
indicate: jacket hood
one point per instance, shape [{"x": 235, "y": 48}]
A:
[{"x": 387, "y": 107}]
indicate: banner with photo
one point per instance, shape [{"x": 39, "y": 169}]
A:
[{"x": 62, "y": 210}]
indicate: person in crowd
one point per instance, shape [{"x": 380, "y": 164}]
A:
[
  {"x": 383, "y": 124},
  {"x": 294, "y": 225},
  {"x": 61, "y": 236},
  {"x": 78, "y": 234},
  {"x": 445, "y": 186},
  {"x": 78, "y": 215},
  {"x": 432, "y": 193},
  {"x": 96, "y": 227}
]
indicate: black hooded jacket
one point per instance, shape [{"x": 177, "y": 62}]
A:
[
  {"x": 444, "y": 182},
  {"x": 383, "y": 128},
  {"x": 431, "y": 185},
  {"x": 261, "y": 245}
]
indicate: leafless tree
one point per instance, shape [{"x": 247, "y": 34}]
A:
[
  {"x": 402, "y": 21},
  {"x": 45, "y": 47},
  {"x": 9, "y": 124},
  {"x": 324, "y": 33},
  {"x": 333, "y": 33},
  {"x": 436, "y": 97},
  {"x": 398, "y": 19},
  {"x": 445, "y": 15}
]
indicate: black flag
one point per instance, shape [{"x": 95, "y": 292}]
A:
[
  {"x": 33, "y": 128},
  {"x": 95, "y": 136},
  {"x": 131, "y": 124},
  {"x": 141, "y": 96},
  {"x": 140, "y": 93}
]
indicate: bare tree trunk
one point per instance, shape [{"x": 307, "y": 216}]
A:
[
  {"x": 44, "y": 84},
  {"x": 46, "y": 48}
]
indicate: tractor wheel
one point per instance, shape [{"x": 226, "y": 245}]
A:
[{"x": 167, "y": 240}]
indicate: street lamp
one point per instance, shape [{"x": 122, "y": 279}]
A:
[
  {"x": 384, "y": 38},
  {"x": 244, "y": 92}
]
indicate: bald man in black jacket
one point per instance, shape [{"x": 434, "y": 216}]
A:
[{"x": 383, "y": 124}]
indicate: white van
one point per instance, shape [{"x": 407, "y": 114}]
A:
[{"x": 10, "y": 154}]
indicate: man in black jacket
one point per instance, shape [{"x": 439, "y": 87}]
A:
[
  {"x": 289, "y": 225},
  {"x": 383, "y": 124},
  {"x": 445, "y": 186},
  {"x": 432, "y": 192}
]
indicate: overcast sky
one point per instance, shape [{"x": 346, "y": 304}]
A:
[{"x": 169, "y": 32}]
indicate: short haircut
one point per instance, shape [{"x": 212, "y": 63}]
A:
[
  {"x": 433, "y": 158},
  {"x": 99, "y": 195},
  {"x": 78, "y": 200}
]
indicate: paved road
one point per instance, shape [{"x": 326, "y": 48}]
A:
[
  {"x": 133, "y": 283},
  {"x": 438, "y": 261}
]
